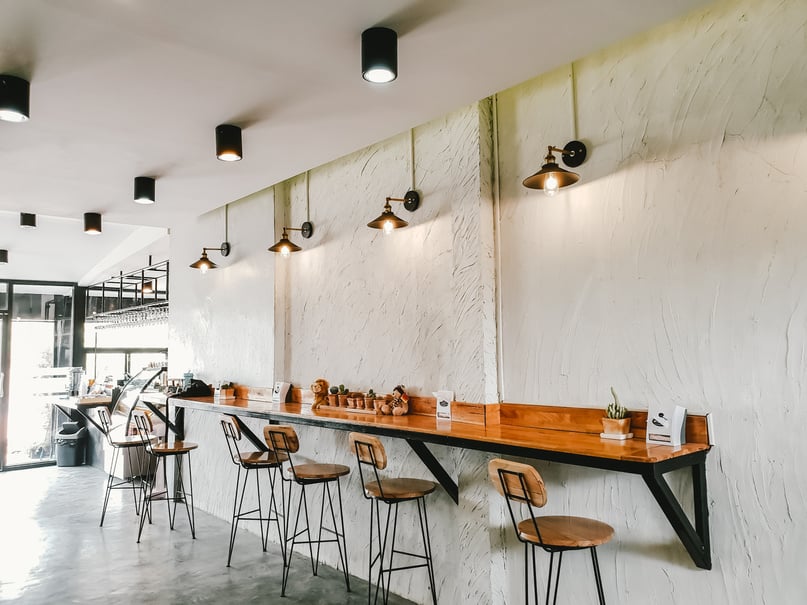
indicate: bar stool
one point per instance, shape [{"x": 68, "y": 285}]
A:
[
  {"x": 522, "y": 484},
  {"x": 118, "y": 443},
  {"x": 370, "y": 452},
  {"x": 159, "y": 451},
  {"x": 251, "y": 461},
  {"x": 282, "y": 439}
]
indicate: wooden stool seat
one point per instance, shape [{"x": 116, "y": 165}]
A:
[
  {"x": 128, "y": 441},
  {"x": 260, "y": 459},
  {"x": 566, "y": 532},
  {"x": 399, "y": 489},
  {"x": 318, "y": 472},
  {"x": 172, "y": 448}
]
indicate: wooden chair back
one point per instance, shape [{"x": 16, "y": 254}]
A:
[
  {"x": 368, "y": 450},
  {"x": 281, "y": 438},
  {"x": 518, "y": 482}
]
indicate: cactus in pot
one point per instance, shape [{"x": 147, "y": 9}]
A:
[{"x": 616, "y": 423}]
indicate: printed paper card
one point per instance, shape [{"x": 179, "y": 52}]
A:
[{"x": 666, "y": 424}]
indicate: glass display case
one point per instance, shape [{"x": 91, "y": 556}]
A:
[{"x": 152, "y": 379}]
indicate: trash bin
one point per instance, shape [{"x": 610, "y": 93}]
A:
[{"x": 70, "y": 443}]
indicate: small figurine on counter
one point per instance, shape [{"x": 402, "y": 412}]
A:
[
  {"x": 320, "y": 390},
  {"x": 398, "y": 405}
]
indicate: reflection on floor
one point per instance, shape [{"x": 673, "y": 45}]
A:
[{"x": 52, "y": 551}]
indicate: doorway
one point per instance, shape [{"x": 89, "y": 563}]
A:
[{"x": 36, "y": 354}]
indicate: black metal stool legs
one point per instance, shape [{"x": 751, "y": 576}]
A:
[
  {"x": 180, "y": 494},
  {"x": 597, "y": 577},
  {"x": 241, "y": 515},
  {"x": 130, "y": 483}
]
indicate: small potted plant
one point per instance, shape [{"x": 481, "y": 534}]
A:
[
  {"x": 227, "y": 390},
  {"x": 368, "y": 399},
  {"x": 333, "y": 397},
  {"x": 343, "y": 393},
  {"x": 616, "y": 423}
]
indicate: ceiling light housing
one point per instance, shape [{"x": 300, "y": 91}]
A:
[
  {"x": 285, "y": 246},
  {"x": 92, "y": 223},
  {"x": 144, "y": 190},
  {"x": 379, "y": 55},
  {"x": 552, "y": 177},
  {"x": 27, "y": 220},
  {"x": 387, "y": 221},
  {"x": 228, "y": 143},
  {"x": 14, "y": 99}
]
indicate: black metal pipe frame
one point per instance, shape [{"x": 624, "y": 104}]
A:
[{"x": 694, "y": 538}]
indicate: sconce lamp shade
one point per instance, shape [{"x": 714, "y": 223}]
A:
[
  {"x": 204, "y": 263},
  {"x": 92, "y": 223},
  {"x": 379, "y": 54},
  {"x": 285, "y": 246},
  {"x": 27, "y": 220},
  {"x": 14, "y": 99},
  {"x": 551, "y": 176},
  {"x": 144, "y": 190},
  {"x": 228, "y": 143},
  {"x": 3, "y": 257},
  {"x": 387, "y": 220}
]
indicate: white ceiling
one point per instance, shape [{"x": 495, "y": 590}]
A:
[{"x": 121, "y": 88}]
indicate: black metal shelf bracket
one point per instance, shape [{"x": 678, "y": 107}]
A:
[{"x": 425, "y": 454}]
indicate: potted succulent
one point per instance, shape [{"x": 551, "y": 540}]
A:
[
  {"x": 343, "y": 393},
  {"x": 333, "y": 397},
  {"x": 227, "y": 390},
  {"x": 368, "y": 399},
  {"x": 616, "y": 422}
]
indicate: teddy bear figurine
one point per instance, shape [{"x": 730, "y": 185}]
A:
[
  {"x": 400, "y": 401},
  {"x": 320, "y": 390}
]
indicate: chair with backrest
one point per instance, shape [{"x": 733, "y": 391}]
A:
[
  {"x": 371, "y": 455},
  {"x": 133, "y": 446},
  {"x": 283, "y": 440},
  {"x": 248, "y": 461},
  {"x": 159, "y": 452},
  {"x": 523, "y": 487}
]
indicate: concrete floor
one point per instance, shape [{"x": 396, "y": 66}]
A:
[{"x": 53, "y": 552}]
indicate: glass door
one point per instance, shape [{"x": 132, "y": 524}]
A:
[{"x": 38, "y": 355}]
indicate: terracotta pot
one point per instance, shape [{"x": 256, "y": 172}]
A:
[
  {"x": 342, "y": 400},
  {"x": 368, "y": 403},
  {"x": 616, "y": 426},
  {"x": 351, "y": 402},
  {"x": 333, "y": 400}
]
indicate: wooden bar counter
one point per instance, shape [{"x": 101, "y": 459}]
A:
[{"x": 559, "y": 434}]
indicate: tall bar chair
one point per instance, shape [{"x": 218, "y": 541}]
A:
[
  {"x": 392, "y": 492},
  {"x": 282, "y": 439},
  {"x": 159, "y": 452},
  {"x": 247, "y": 462},
  {"x": 129, "y": 444},
  {"x": 521, "y": 485}
]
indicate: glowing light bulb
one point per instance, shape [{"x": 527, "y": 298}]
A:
[
  {"x": 284, "y": 251},
  {"x": 551, "y": 185},
  {"x": 388, "y": 227},
  {"x": 203, "y": 268}
]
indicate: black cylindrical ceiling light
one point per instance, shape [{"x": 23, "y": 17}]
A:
[
  {"x": 27, "y": 220},
  {"x": 3, "y": 257},
  {"x": 92, "y": 223},
  {"x": 228, "y": 143},
  {"x": 144, "y": 190},
  {"x": 379, "y": 54},
  {"x": 14, "y": 99}
]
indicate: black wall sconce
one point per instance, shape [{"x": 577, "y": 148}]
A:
[
  {"x": 144, "y": 190},
  {"x": 92, "y": 223},
  {"x": 204, "y": 263},
  {"x": 3, "y": 257},
  {"x": 552, "y": 177},
  {"x": 27, "y": 220},
  {"x": 379, "y": 55},
  {"x": 228, "y": 143},
  {"x": 14, "y": 99},
  {"x": 285, "y": 246},
  {"x": 387, "y": 219}
]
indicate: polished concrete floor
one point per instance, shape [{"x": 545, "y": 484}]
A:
[{"x": 52, "y": 551}]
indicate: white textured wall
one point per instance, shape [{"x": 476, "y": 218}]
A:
[{"x": 674, "y": 272}]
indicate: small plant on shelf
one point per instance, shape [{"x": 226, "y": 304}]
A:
[
  {"x": 333, "y": 396},
  {"x": 616, "y": 423},
  {"x": 343, "y": 393},
  {"x": 227, "y": 390}
]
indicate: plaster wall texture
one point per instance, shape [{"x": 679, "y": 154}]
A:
[{"x": 673, "y": 272}]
